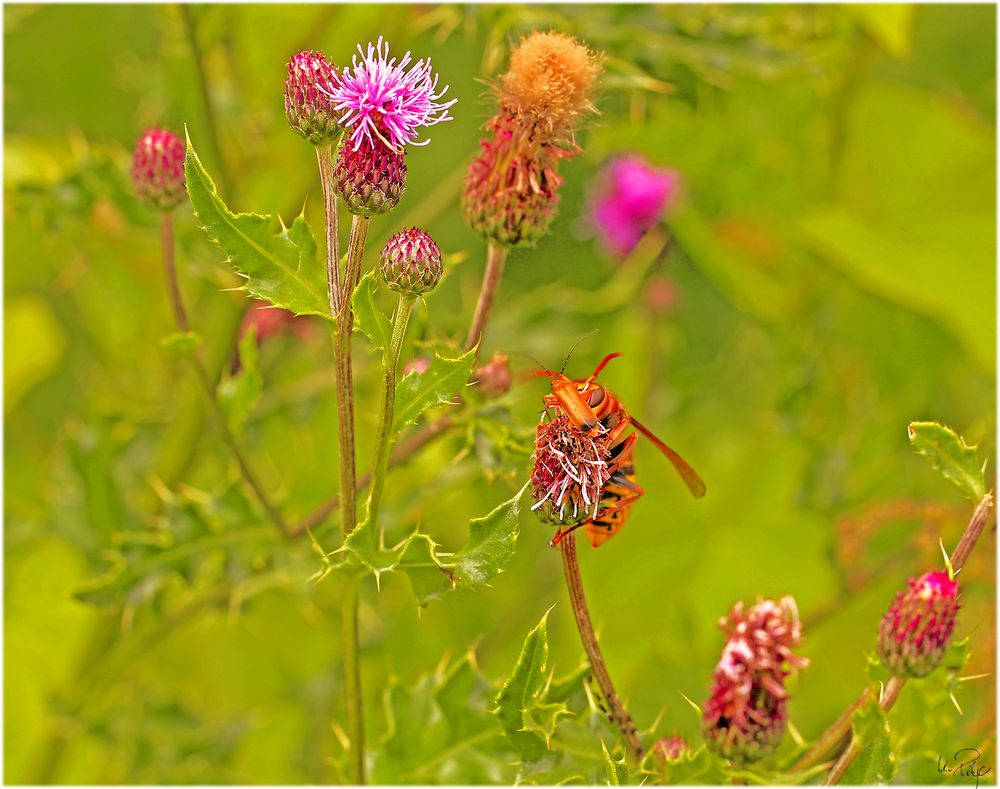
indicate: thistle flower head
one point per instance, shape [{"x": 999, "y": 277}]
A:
[
  {"x": 746, "y": 714},
  {"x": 411, "y": 262},
  {"x": 382, "y": 102},
  {"x": 629, "y": 199},
  {"x": 494, "y": 377},
  {"x": 270, "y": 321},
  {"x": 916, "y": 630},
  {"x": 570, "y": 470},
  {"x": 550, "y": 80},
  {"x": 158, "y": 169},
  {"x": 308, "y": 106},
  {"x": 371, "y": 179}
]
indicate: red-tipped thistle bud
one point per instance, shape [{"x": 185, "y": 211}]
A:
[
  {"x": 570, "y": 470},
  {"x": 494, "y": 377},
  {"x": 746, "y": 715},
  {"x": 371, "y": 179},
  {"x": 158, "y": 169},
  {"x": 916, "y": 630},
  {"x": 411, "y": 262},
  {"x": 309, "y": 107},
  {"x": 669, "y": 749}
]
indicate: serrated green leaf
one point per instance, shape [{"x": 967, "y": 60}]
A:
[
  {"x": 519, "y": 695},
  {"x": 492, "y": 540},
  {"x": 615, "y": 769},
  {"x": 951, "y": 456},
  {"x": 368, "y": 318},
  {"x": 240, "y": 393},
  {"x": 181, "y": 342},
  {"x": 439, "y": 383},
  {"x": 875, "y": 762},
  {"x": 279, "y": 268}
]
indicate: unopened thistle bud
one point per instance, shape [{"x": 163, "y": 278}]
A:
[
  {"x": 308, "y": 105},
  {"x": 669, "y": 749},
  {"x": 411, "y": 262},
  {"x": 158, "y": 169},
  {"x": 917, "y": 628},
  {"x": 570, "y": 470},
  {"x": 494, "y": 377},
  {"x": 371, "y": 178},
  {"x": 510, "y": 193},
  {"x": 746, "y": 714}
]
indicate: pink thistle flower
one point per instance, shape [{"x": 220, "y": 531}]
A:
[
  {"x": 158, "y": 169},
  {"x": 381, "y": 99},
  {"x": 916, "y": 630},
  {"x": 269, "y": 321},
  {"x": 630, "y": 198},
  {"x": 746, "y": 714}
]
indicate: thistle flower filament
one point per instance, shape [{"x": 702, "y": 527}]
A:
[{"x": 571, "y": 469}]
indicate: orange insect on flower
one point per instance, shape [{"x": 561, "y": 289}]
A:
[{"x": 584, "y": 472}]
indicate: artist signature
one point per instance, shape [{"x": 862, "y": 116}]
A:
[{"x": 964, "y": 764}]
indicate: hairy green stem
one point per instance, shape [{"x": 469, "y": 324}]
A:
[
  {"x": 842, "y": 726},
  {"x": 381, "y": 462},
  {"x": 348, "y": 486},
  {"x": 495, "y": 257},
  {"x": 324, "y": 157},
  {"x": 181, "y": 317},
  {"x": 616, "y": 709}
]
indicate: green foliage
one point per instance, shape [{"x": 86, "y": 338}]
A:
[
  {"x": 281, "y": 269},
  {"x": 875, "y": 763},
  {"x": 439, "y": 383},
  {"x": 616, "y": 769},
  {"x": 368, "y": 318},
  {"x": 240, "y": 393},
  {"x": 956, "y": 460}
]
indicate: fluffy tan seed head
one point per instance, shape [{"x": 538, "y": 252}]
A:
[{"x": 550, "y": 79}]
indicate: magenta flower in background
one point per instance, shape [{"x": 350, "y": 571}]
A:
[
  {"x": 380, "y": 99},
  {"x": 630, "y": 198}
]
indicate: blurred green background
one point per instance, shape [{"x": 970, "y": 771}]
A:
[{"x": 833, "y": 261}]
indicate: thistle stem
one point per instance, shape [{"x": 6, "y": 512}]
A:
[
  {"x": 181, "y": 317},
  {"x": 381, "y": 462},
  {"x": 495, "y": 257},
  {"x": 842, "y": 726},
  {"x": 324, "y": 157},
  {"x": 616, "y": 709},
  {"x": 348, "y": 486}
]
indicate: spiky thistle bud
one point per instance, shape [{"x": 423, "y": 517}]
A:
[
  {"x": 494, "y": 377},
  {"x": 916, "y": 630},
  {"x": 669, "y": 749},
  {"x": 411, "y": 262},
  {"x": 510, "y": 194},
  {"x": 746, "y": 714},
  {"x": 570, "y": 470},
  {"x": 158, "y": 169},
  {"x": 371, "y": 178},
  {"x": 308, "y": 106}
]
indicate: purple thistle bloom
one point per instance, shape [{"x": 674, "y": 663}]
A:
[
  {"x": 380, "y": 99},
  {"x": 631, "y": 198}
]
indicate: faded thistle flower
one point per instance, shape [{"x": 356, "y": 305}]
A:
[
  {"x": 746, "y": 714},
  {"x": 494, "y": 378},
  {"x": 308, "y": 106},
  {"x": 511, "y": 189},
  {"x": 916, "y": 630},
  {"x": 381, "y": 101},
  {"x": 629, "y": 199},
  {"x": 158, "y": 169},
  {"x": 570, "y": 470},
  {"x": 411, "y": 262}
]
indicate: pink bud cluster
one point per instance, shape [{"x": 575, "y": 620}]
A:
[
  {"x": 916, "y": 630},
  {"x": 158, "y": 169},
  {"x": 746, "y": 714}
]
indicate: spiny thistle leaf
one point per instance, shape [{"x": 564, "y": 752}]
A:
[
  {"x": 615, "y": 769},
  {"x": 951, "y": 456},
  {"x": 279, "y": 268},
  {"x": 439, "y": 383},
  {"x": 368, "y": 318},
  {"x": 876, "y": 763}
]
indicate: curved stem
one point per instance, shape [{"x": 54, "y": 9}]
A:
[
  {"x": 495, "y": 257},
  {"x": 616, "y": 709},
  {"x": 841, "y": 727},
  {"x": 181, "y": 317},
  {"x": 324, "y": 157},
  {"x": 381, "y": 462}
]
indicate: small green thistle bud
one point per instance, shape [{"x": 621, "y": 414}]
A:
[
  {"x": 411, "y": 262},
  {"x": 916, "y": 630},
  {"x": 309, "y": 107},
  {"x": 371, "y": 179}
]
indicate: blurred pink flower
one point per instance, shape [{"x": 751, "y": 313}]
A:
[
  {"x": 270, "y": 321},
  {"x": 630, "y": 198}
]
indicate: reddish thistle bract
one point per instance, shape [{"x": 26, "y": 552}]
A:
[
  {"x": 916, "y": 630},
  {"x": 411, "y": 262},
  {"x": 158, "y": 169},
  {"x": 308, "y": 106}
]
